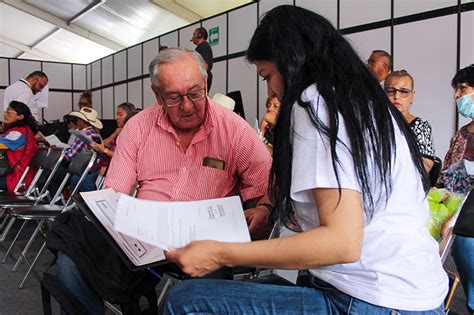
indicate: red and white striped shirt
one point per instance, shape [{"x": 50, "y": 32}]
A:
[{"x": 148, "y": 151}]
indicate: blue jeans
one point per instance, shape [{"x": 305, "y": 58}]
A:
[
  {"x": 236, "y": 297},
  {"x": 463, "y": 254},
  {"x": 88, "y": 184},
  {"x": 71, "y": 278}
]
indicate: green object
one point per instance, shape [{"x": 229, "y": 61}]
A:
[
  {"x": 214, "y": 36},
  {"x": 443, "y": 205}
]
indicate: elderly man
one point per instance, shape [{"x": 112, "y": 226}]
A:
[
  {"x": 380, "y": 63},
  {"x": 24, "y": 90},
  {"x": 184, "y": 148}
]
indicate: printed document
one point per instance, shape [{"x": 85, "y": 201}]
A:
[
  {"x": 54, "y": 141},
  {"x": 175, "y": 224},
  {"x": 103, "y": 203},
  {"x": 144, "y": 228}
]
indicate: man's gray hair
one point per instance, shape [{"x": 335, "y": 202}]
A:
[{"x": 174, "y": 54}]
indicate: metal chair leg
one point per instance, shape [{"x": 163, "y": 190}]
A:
[
  {"x": 27, "y": 247},
  {"x": 32, "y": 265},
  {"x": 13, "y": 242},
  {"x": 9, "y": 221}
]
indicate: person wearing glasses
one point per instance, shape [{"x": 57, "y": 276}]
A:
[
  {"x": 341, "y": 159},
  {"x": 380, "y": 63},
  {"x": 85, "y": 100},
  {"x": 400, "y": 89},
  {"x": 186, "y": 147}
]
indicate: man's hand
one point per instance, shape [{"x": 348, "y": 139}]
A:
[{"x": 258, "y": 221}]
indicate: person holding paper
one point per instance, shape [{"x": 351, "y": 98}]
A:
[
  {"x": 347, "y": 171},
  {"x": 184, "y": 148}
]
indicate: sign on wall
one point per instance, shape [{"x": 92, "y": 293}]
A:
[{"x": 214, "y": 36}]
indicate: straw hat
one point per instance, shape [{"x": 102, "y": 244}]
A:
[
  {"x": 88, "y": 115},
  {"x": 224, "y": 101}
]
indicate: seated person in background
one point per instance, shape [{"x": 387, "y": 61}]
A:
[
  {"x": 347, "y": 170},
  {"x": 400, "y": 89},
  {"x": 184, "y": 148},
  {"x": 107, "y": 147},
  {"x": 268, "y": 121},
  {"x": 462, "y": 148},
  {"x": 19, "y": 140},
  {"x": 89, "y": 125},
  {"x": 85, "y": 100}
]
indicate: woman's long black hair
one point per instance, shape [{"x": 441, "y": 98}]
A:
[
  {"x": 28, "y": 119},
  {"x": 306, "y": 50}
]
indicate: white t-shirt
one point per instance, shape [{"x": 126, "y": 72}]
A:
[
  {"x": 21, "y": 91},
  {"x": 399, "y": 266}
]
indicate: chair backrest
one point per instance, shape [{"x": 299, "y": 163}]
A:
[
  {"x": 434, "y": 173},
  {"x": 448, "y": 238},
  {"x": 49, "y": 166},
  {"x": 239, "y": 105},
  {"x": 79, "y": 166},
  {"x": 35, "y": 162}
]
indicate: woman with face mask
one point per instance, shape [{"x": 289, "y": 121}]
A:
[
  {"x": 462, "y": 148},
  {"x": 462, "y": 143}
]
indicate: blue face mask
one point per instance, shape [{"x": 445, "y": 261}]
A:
[{"x": 465, "y": 105}]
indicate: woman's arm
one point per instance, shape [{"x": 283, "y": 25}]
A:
[{"x": 337, "y": 240}]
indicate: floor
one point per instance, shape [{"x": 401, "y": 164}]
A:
[{"x": 28, "y": 300}]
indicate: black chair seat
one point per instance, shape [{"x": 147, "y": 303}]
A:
[
  {"x": 36, "y": 212},
  {"x": 20, "y": 201}
]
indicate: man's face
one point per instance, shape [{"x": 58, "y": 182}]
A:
[
  {"x": 195, "y": 38},
  {"x": 38, "y": 84},
  {"x": 177, "y": 79},
  {"x": 378, "y": 65}
]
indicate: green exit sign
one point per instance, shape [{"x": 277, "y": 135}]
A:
[{"x": 214, "y": 36}]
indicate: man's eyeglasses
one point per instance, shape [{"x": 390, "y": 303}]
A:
[
  {"x": 404, "y": 93},
  {"x": 174, "y": 100}
]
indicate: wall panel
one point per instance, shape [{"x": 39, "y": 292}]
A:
[
  {"x": 108, "y": 103},
  {"x": 326, "y": 8},
  {"x": 97, "y": 101},
  {"x": 169, "y": 40},
  {"x": 240, "y": 33},
  {"x": 4, "y": 79},
  {"x": 185, "y": 35},
  {"x": 89, "y": 76},
  {"x": 408, "y": 7},
  {"x": 371, "y": 11},
  {"x": 467, "y": 50},
  {"x": 150, "y": 50},
  {"x": 431, "y": 71},
  {"x": 243, "y": 77},
  {"x": 135, "y": 93},
  {"x": 134, "y": 64},
  {"x": 79, "y": 77},
  {"x": 219, "y": 78},
  {"x": 149, "y": 98},
  {"x": 59, "y": 75},
  {"x": 365, "y": 42},
  {"x": 120, "y": 66},
  {"x": 220, "y": 21},
  {"x": 267, "y": 5},
  {"x": 96, "y": 75},
  {"x": 107, "y": 70},
  {"x": 120, "y": 92},
  {"x": 59, "y": 105},
  {"x": 19, "y": 69}
]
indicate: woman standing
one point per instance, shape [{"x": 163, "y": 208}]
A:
[
  {"x": 400, "y": 89},
  {"x": 19, "y": 140},
  {"x": 341, "y": 159}
]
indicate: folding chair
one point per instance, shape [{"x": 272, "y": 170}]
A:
[
  {"x": 79, "y": 166},
  {"x": 447, "y": 242},
  {"x": 26, "y": 191},
  {"x": 33, "y": 195}
]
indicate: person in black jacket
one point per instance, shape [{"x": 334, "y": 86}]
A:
[{"x": 205, "y": 50}]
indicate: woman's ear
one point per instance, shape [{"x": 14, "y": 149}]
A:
[{"x": 21, "y": 117}]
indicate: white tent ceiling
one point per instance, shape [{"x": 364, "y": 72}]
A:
[{"x": 81, "y": 31}]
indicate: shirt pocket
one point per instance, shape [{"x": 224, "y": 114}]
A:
[{"x": 207, "y": 183}]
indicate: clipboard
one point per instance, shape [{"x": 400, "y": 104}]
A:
[{"x": 84, "y": 208}]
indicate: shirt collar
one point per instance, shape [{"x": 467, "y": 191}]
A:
[{"x": 26, "y": 82}]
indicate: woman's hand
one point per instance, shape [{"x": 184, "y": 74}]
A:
[
  {"x": 198, "y": 258},
  {"x": 99, "y": 147}
]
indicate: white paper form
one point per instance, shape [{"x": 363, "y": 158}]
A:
[
  {"x": 176, "y": 224},
  {"x": 103, "y": 203},
  {"x": 53, "y": 140}
]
